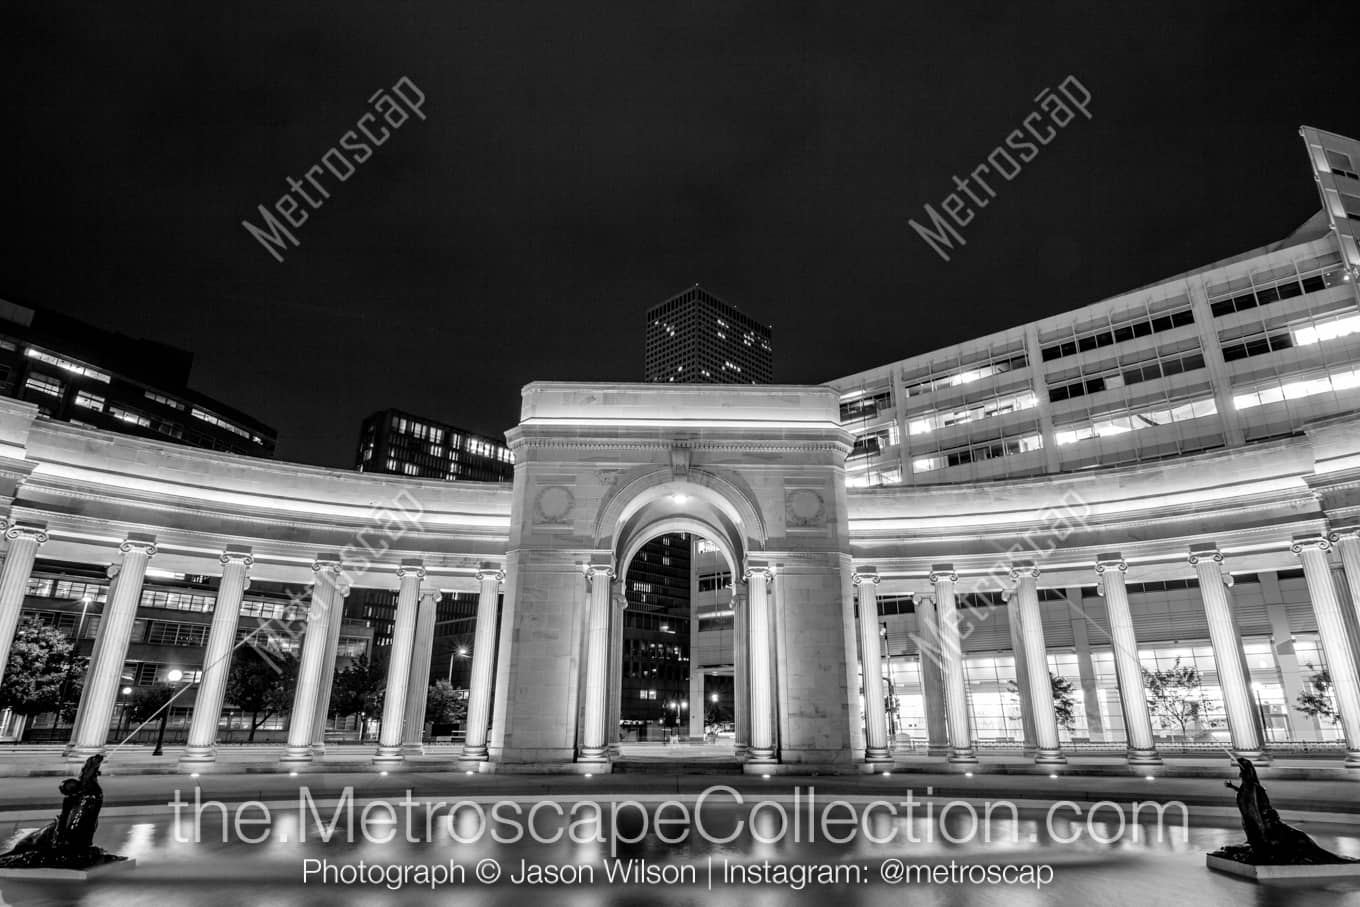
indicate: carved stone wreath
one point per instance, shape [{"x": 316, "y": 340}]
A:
[
  {"x": 553, "y": 504},
  {"x": 804, "y": 507}
]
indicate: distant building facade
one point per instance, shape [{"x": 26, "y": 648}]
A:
[
  {"x": 696, "y": 338},
  {"x": 75, "y": 372},
  {"x": 398, "y": 443}
]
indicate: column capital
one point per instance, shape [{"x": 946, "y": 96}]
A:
[
  {"x": 1111, "y": 560},
  {"x": 757, "y": 569},
  {"x": 35, "y": 531},
  {"x": 942, "y": 572},
  {"x": 1024, "y": 570},
  {"x": 620, "y": 601},
  {"x": 139, "y": 542},
  {"x": 237, "y": 554},
  {"x": 867, "y": 575},
  {"x": 411, "y": 567},
  {"x": 594, "y": 572},
  {"x": 490, "y": 572},
  {"x": 1209, "y": 553},
  {"x": 1343, "y": 532},
  {"x": 1301, "y": 543},
  {"x": 327, "y": 562},
  {"x": 343, "y": 589},
  {"x": 436, "y": 594}
]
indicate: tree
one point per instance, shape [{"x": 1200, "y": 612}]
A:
[
  {"x": 359, "y": 689},
  {"x": 261, "y": 684},
  {"x": 445, "y": 704},
  {"x": 1176, "y": 696},
  {"x": 1316, "y": 700},
  {"x": 1064, "y": 699},
  {"x": 43, "y": 674},
  {"x": 145, "y": 702}
]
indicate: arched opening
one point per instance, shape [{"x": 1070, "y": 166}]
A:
[{"x": 679, "y": 553}]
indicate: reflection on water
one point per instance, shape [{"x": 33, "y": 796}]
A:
[{"x": 1131, "y": 869}]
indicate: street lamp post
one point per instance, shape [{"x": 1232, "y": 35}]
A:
[
  {"x": 174, "y": 677},
  {"x": 462, "y": 652}
]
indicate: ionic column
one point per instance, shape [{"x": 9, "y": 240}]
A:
[
  {"x": 23, "y": 549},
  {"x": 201, "y": 749},
  {"x": 418, "y": 689},
  {"x": 1028, "y": 748},
  {"x": 315, "y": 639},
  {"x": 410, "y": 575},
  {"x": 1048, "y": 751},
  {"x": 105, "y": 674},
  {"x": 760, "y": 748},
  {"x": 871, "y": 666},
  {"x": 483, "y": 663},
  {"x": 1110, "y": 569},
  {"x": 741, "y": 681},
  {"x": 1331, "y": 624},
  {"x": 594, "y": 740},
  {"x": 951, "y": 666},
  {"x": 334, "y": 624},
  {"x": 616, "y": 669},
  {"x": 1244, "y": 721},
  {"x": 932, "y": 681}
]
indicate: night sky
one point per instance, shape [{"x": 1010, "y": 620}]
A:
[{"x": 583, "y": 161}]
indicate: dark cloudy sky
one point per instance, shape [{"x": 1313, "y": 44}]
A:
[{"x": 581, "y": 161}]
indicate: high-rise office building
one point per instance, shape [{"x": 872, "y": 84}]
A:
[
  {"x": 696, "y": 338},
  {"x": 398, "y": 443},
  {"x": 78, "y": 373},
  {"x": 656, "y": 637}
]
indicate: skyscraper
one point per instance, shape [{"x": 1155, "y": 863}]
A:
[{"x": 696, "y": 338}]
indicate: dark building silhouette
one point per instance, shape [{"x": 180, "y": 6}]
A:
[
  {"x": 656, "y": 638},
  {"x": 696, "y": 338},
  {"x": 75, "y": 372},
  {"x": 396, "y": 442}
]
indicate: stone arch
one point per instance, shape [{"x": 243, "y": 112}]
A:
[{"x": 722, "y": 494}]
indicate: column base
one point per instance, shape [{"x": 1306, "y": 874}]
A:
[
  {"x": 739, "y": 750},
  {"x": 1049, "y": 757},
  {"x": 473, "y": 754},
  {"x": 388, "y": 756},
  {"x": 318, "y": 750},
  {"x": 962, "y": 756},
  {"x": 1143, "y": 757},
  {"x": 760, "y": 755},
  {"x": 413, "y": 749},
  {"x": 79, "y": 752},
  {"x": 1257, "y": 757},
  {"x": 1352, "y": 759},
  {"x": 593, "y": 755},
  {"x": 296, "y": 754},
  {"x": 614, "y": 750},
  {"x": 194, "y": 756},
  {"x": 877, "y": 754},
  {"x": 937, "y": 749}
]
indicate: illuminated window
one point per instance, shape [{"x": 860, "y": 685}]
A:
[
  {"x": 44, "y": 385},
  {"x": 66, "y": 364},
  {"x": 89, "y": 400},
  {"x": 1122, "y": 424},
  {"x": 996, "y": 407},
  {"x": 1328, "y": 329},
  {"x": 1294, "y": 390},
  {"x": 131, "y": 417},
  {"x": 164, "y": 400}
]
